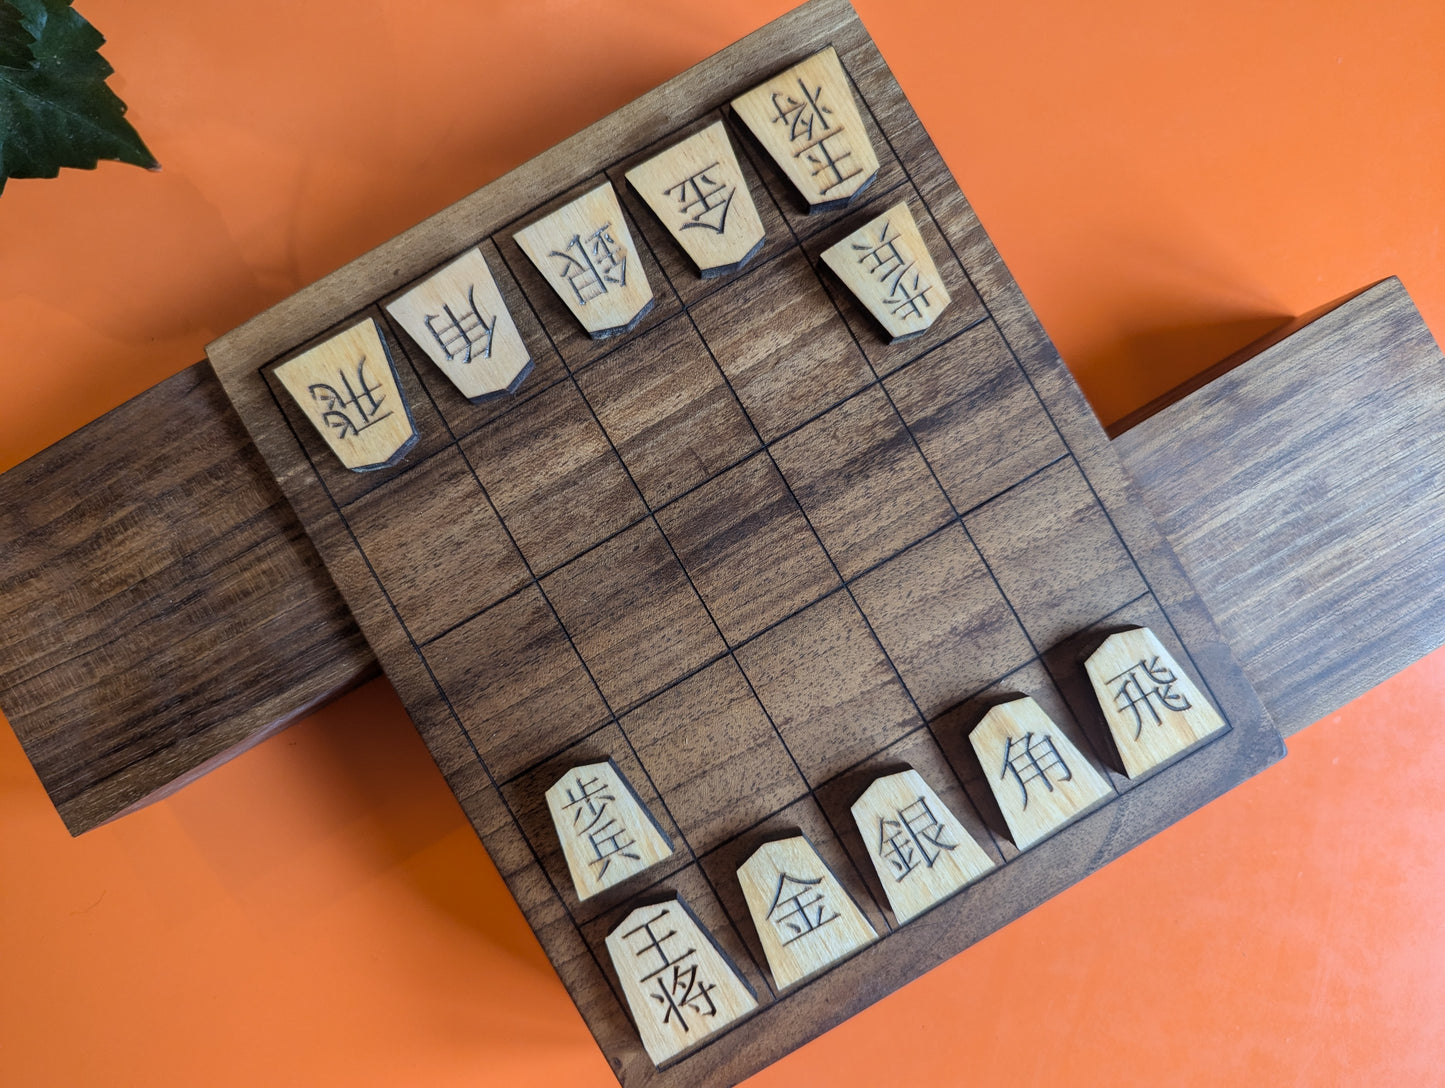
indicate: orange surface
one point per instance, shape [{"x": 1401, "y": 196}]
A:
[{"x": 1165, "y": 180}]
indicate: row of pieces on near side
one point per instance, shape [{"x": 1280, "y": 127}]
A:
[
  {"x": 681, "y": 987},
  {"x": 807, "y": 119}
]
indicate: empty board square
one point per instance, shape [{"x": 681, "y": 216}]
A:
[
  {"x": 748, "y": 549},
  {"x": 859, "y": 477},
  {"x": 462, "y": 416},
  {"x": 553, "y": 476},
  {"x": 633, "y": 615},
  {"x": 516, "y": 683},
  {"x": 777, "y": 337},
  {"x": 942, "y": 620},
  {"x": 964, "y": 310},
  {"x": 567, "y": 335},
  {"x": 435, "y": 543},
  {"x": 1054, "y": 551},
  {"x": 975, "y": 416},
  {"x": 713, "y": 755},
  {"x": 828, "y": 687},
  {"x": 668, "y": 410}
]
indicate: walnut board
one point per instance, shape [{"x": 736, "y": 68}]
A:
[{"x": 749, "y": 550}]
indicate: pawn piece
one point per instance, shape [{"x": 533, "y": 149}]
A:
[
  {"x": 808, "y": 120},
  {"x": 1040, "y": 780},
  {"x": 1153, "y": 709},
  {"x": 680, "y": 986},
  {"x": 922, "y": 853},
  {"x": 698, "y": 191},
  {"x": 348, "y": 389},
  {"x": 890, "y": 271},
  {"x": 806, "y": 920},
  {"x": 607, "y": 834},
  {"x": 585, "y": 251},
  {"x": 458, "y": 318}
]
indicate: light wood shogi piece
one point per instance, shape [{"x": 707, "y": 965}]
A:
[
  {"x": 458, "y": 318},
  {"x": 697, "y": 189},
  {"x": 607, "y": 834},
  {"x": 681, "y": 987},
  {"x": 806, "y": 919},
  {"x": 922, "y": 853},
  {"x": 808, "y": 120},
  {"x": 890, "y": 271},
  {"x": 1040, "y": 780},
  {"x": 347, "y": 388},
  {"x": 586, "y": 253},
  {"x": 1153, "y": 709}
]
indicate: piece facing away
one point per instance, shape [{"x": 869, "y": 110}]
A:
[
  {"x": 607, "y": 834},
  {"x": 804, "y": 917},
  {"x": 681, "y": 988},
  {"x": 922, "y": 853},
  {"x": 1040, "y": 780},
  {"x": 1153, "y": 709},
  {"x": 586, "y": 254},
  {"x": 347, "y": 388},
  {"x": 458, "y": 318},
  {"x": 808, "y": 121},
  {"x": 890, "y": 271},
  {"x": 697, "y": 190}
]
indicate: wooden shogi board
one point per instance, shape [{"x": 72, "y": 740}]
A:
[{"x": 749, "y": 550}]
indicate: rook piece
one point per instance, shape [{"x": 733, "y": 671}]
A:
[
  {"x": 1153, "y": 709},
  {"x": 585, "y": 251},
  {"x": 1040, "y": 780},
  {"x": 698, "y": 191},
  {"x": 680, "y": 987},
  {"x": 607, "y": 834},
  {"x": 806, "y": 921},
  {"x": 888, "y": 268},
  {"x": 458, "y": 318},
  {"x": 347, "y": 387},
  {"x": 807, "y": 119},
  {"x": 922, "y": 853}
]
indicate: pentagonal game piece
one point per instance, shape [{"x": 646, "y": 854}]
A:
[
  {"x": 889, "y": 270},
  {"x": 607, "y": 834}
]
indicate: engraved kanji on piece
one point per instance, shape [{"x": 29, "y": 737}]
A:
[
  {"x": 1040, "y": 780},
  {"x": 922, "y": 854},
  {"x": 808, "y": 121},
  {"x": 697, "y": 190},
  {"x": 1153, "y": 709},
  {"x": 886, "y": 266},
  {"x": 348, "y": 388},
  {"x": 586, "y": 253},
  {"x": 607, "y": 834},
  {"x": 458, "y": 318},
  {"x": 805, "y": 918},
  {"x": 680, "y": 987}
]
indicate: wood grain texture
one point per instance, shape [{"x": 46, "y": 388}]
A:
[
  {"x": 607, "y": 834},
  {"x": 162, "y": 608},
  {"x": 1304, "y": 489},
  {"x": 887, "y": 267}
]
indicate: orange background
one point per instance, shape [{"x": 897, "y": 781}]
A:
[{"x": 1165, "y": 181}]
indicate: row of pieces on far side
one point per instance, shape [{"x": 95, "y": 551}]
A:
[{"x": 681, "y": 988}]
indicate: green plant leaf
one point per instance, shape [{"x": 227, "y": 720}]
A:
[{"x": 56, "y": 110}]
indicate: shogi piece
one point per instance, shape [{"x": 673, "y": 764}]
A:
[
  {"x": 680, "y": 986},
  {"x": 585, "y": 251},
  {"x": 698, "y": 191},
  {"x": 1153, "y": 709},
  {"x": 890, "y": 271},
  {"x": 1040, "y": 780},
  {"x": 348, "y": 389},
  {"x": 805, "y": 918},
  {"x": 922, "y": 853},
  {"x": 458, "y": 318},
  {"x": 607, "y": 834},
  {"x": 808, "y": 120}
]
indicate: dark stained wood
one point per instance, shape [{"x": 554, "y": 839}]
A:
[
  {"x": 1304, "y": 489},
  {"x": 160, "y": 608}
]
